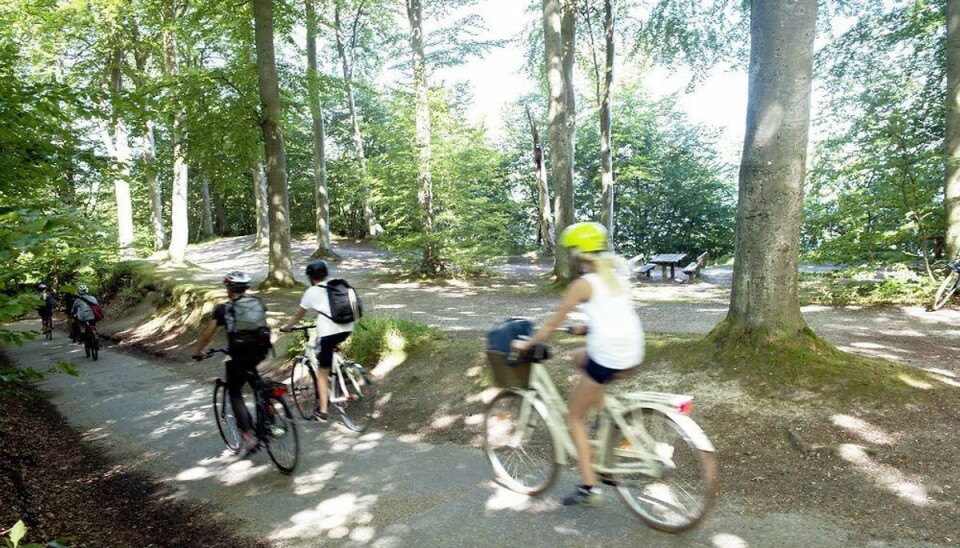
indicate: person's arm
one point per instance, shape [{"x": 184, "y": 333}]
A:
[
  {"x": 301, "y": 312},
  {"x": 578, "y": 292},
  {"x": 204, "y": 339}
]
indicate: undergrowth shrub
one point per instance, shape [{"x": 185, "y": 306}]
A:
[{"x": 375, "y": 337}]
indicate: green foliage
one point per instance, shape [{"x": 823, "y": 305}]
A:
[
  {"x": 876, "y": 190},
  {"x": 672, "y": 192},
  {"x": 377, "y": 337},
  {"x": 860, "y": 286},
  {"x": 19, "y": 531}
]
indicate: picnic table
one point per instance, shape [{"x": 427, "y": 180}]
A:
[{"x": 668, "y": 259}]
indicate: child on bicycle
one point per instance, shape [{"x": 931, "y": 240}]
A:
[
  {"x": 248, "y": 338},
  {"x": 614, "y": 338},
  {"x": 329, "y": 333}
]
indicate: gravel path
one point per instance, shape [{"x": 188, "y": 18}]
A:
[{"x": 901, "y": 333}]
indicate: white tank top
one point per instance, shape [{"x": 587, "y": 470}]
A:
[{"x": 615, "y": 339}]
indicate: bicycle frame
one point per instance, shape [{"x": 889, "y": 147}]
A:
[
  {"x": 543, "y": 393},
  {"x": 336, "y": 369}
]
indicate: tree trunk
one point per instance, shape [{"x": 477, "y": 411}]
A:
[
  {"x": 558, "y": 55},
  {"x": 119, "y": 147},
  {"x": 547, "y": 243},
  {"x": 207, "y": 210},
  {"x": 606, "y": 125},
  {"x": 431, "y": 262},
  {"x": 770, "y": 209},
  {"x": 179, "y": 222},
  {"x": 153, "y": 187},
  {"x": 260, "y": 198},
  {"x": 319, "y": 147},
  {"x": 952, "y": 141},
  {"x": 372, "y": 226},
  {"x": 221, "y": 225},
  {"x": 280, "y": 272}
]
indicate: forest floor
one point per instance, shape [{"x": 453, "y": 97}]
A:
[{"x": 887, "y": 471}]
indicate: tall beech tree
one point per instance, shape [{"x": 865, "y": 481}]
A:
[
  {"x": 321, "y": 194},
  {"x": 764, "y": 298},
  {"x": 179, "y": 221},
  {"x": 952, "y": 141},
  {"x": 280, "y": 271}
]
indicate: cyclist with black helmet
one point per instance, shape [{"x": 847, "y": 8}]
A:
[
  {"x": 614, "y": 337},
  {"x": 329, "y": 333},
  {"x": 47, "y": 304},
  {"x": 81, "y": 310},
  {"x": 248, "y": 339}
]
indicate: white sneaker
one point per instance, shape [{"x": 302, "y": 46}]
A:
[{"x": 247, "y": 446}]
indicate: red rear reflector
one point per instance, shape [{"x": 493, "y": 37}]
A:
[
  {"x": 686, "y": 407},
  {"x": 279, "y": 391}
]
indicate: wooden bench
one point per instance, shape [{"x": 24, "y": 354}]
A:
[
  {"x": 692, "y": 270},
  {"x": 640, "y": 269}
]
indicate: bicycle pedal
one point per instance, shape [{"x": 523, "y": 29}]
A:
[{"x": 607, "y": 480}]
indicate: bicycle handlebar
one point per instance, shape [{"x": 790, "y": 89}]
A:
[
  {"x": 303, "y": 328},
  {"x": 210, "y": 352}
]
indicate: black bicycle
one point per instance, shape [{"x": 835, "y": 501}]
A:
[
  {"x": 274, "y": 425},
  {"x": 351, "y": 392},
  {"x": 91, "y": 340},
  {"x": 949, "y": 286}
]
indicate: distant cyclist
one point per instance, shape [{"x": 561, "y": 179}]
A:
[
  {"x": 329, "y": 333},
  {"x": 81, "y": 311},
  {"x": 614, "y": 337},
  {"x": 244, "y": 317},
  {"x": 47, "y": 305}
]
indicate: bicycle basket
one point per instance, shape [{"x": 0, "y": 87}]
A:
[{"x": 506, "y": 373}]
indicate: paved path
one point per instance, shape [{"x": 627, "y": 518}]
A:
[{"x": 370, "y": 490}]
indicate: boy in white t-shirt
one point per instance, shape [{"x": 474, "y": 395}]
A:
[{"x": 329, "y": 333}]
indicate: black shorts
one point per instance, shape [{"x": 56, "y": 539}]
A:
[{"x": 599, "y": 373}]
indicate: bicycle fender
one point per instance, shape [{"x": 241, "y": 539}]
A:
[{"x": 688, "y": 425}]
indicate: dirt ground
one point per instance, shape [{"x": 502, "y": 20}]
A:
[{"x": 889, "y": 469}]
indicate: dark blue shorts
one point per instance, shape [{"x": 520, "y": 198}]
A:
[{"x": 599, "y": 373}]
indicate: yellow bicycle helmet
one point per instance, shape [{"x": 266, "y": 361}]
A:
[{"x": 585, "y": 237}]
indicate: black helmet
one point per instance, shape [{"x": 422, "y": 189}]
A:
[
  {"x": 237, "y": 280},
  {"x": 317, "y": 270}
]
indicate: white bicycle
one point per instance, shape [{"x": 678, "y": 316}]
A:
[{"x": 645, "y": 445}]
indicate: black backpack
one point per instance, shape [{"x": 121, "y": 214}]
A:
[
  {"x": 345, "y": 305},
  {"x": 246, "y": 319}
]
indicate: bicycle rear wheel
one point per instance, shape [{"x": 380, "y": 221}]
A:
[
  {"x": 226, "y": 422},
  {"x": 686, "y": 488},
  {"x": 303, "y": 383},
  {"x": 95, "y": 346},
  {"x": 356, "y": 410},
  {"x": 947, "y": 289},
  {"x": 522, "y": 454},
  {"x": 283, "y": 444}
]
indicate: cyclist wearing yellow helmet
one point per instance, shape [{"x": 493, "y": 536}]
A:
[{"x": 614, "y": 337}]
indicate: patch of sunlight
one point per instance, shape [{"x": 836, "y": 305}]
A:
[
  {"x": 410, "y": 438},
  {"x": 390, "y": 306},
  {"x": 815, "y": 308},
  {"x": 314, "y": 480},
  {"x": 474, "y": 420},
  {"x": 865, "y": 430},
  {"x": 726, "y": 540},
  {"x": 503, "y": 499},
  {"x": 194, "y": 474},
  {"x": 945, "y": 380},
  {"x": 333, "y": 516},
  {"x": 916, "y": 383},
  {"x": 241, "y": 471},
  {"x": 409, "y": 285},
  {"x": 908, "y": 488},
  {"x": 363, "y": 534},
  {"x": 444, "y": 421},
  {"x": 867, "y": 345},
  {"x": 713, "y": 310},
  {"x": 365, "y": 445},
  {"x": 474, "y": 371},
  {"x": 939, "y": 371},
  {"x": 181, "y": 386},
  {"x": 390, "y": 361},
  {"x": 485, "y": 396}
]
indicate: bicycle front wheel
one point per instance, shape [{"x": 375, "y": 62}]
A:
[
  {"x": 518, "y": 444},
  {"x": 947, "y": 289},
  {"x": 283, "y": 444},
  {"x": 226, "y": 422},
  {"x": 357, "y": 406},
  {"x": 683, "y": 491},
  {"x": 95, "y": 347},
  {"x": 303, "y": 383}
]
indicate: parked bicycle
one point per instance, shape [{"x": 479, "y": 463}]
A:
[
  {"x": 645, "y": 445},
  {"x": 351, "y": 392},
  {"x": 91, "y": 340},
  {"x": 273, "y": 425},
  {"x": 949, "y": 286}
]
